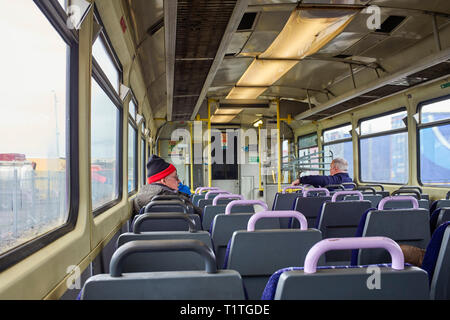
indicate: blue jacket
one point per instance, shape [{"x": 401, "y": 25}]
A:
[{"x": 322, "y": 181}]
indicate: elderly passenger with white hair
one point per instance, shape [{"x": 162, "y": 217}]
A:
[{"x": 338, "y": 171}]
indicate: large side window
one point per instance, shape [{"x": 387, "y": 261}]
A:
[
  {"x": 106, "y": 126},
  {"x": 132, "y": 147},
  {"x": 338, "y": 143},
  {"x": 38, "y": 127},
  {"x": 143, "y": 155},
  {"x": 383, "y": 151},
  {"x": 434, "y": 142},
  {"x": 308, "y": 153}
]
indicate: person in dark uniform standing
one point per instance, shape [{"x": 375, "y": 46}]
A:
[{"x": 338, "y": 175}]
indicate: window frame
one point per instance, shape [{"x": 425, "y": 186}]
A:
[
  {"x": 143, "y": 157},
  {"x": 315, "y": 146},
  {"x": 379, "y": 134},
  {"x": 57, "y": 17},
  {"x": 421, "y": 126},
  {"x": 104, "y": 83},
  {"x": 324, "y": 144},
  {"x": 135, "y": 158}
]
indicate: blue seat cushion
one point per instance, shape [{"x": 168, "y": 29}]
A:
[
  {"x": 359, "y": 232},
  {"x": 227, "y": 253},
  {"x": 319, "y": 215},
  {"x": 432, "y": 252},
  {"x": 433, "y": 219},
  {"x": 271, "y": 286}
]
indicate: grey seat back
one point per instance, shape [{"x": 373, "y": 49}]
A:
[
  {"x": 202, "y": 203},
  {"x": 409, "y": 226},
  {"x": 224, "y": 225},
  {"x": 196, "y": 198},
  {"x": 210, "y": 211},
  {"x": 164, "y": 261},
  {"x": 351, "y": 284},
  {"x": 444, "y": 215},
  {"x": 257, "y": 254},
  {"x": 374, "y": 199},
  {"x": 285, "y": 201},
  {"x": 341, "y": 219},
  {"x": 393, "y": 281},
  {"x": 440, "y": 282},
  {"x": 164, "y": 223},
  {"x": 170, "y": 285},
  {"x": 310, "y": 208},
  {"x": 423, "y": 203}
]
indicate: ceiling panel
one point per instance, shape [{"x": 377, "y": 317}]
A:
[
  {"x": 231, "y": 70},
  {"x": 237, "y": 42},
  {"x": 201, "y": 25}
]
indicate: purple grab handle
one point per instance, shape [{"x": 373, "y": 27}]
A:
[
  {"x": 226, "y": 196},
  {"x": 293, "y": 188},
  {"x": 277, "y": 214},
  {"x": 245, "y": 202},
  {"x": 336, "y": 194},
  {"x": 200, "y": 189},
  {"x": 305, "y": 192},
  {"x": 219, "y": 191},
  {"x": 398, "y": 260},
  {"x": 398, "y": 198}
]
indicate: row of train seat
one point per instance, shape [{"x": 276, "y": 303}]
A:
[{"x": 244, "y": 250}]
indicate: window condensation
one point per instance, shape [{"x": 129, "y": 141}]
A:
[
  {"x": 385, "y": 158},
  {"x": 33, "y": 169},
  {"x": 340, "y": 150},
  {"x": 435, "y": 144},
  {"x": 132, "y": 109},
  {"x": 103, "y": 58},
  {"x": 308, "y": 152},
  {"x": 337, "y": 134},
  {"x": 384, "y": 123},
  {"x": 436, "y": 111},
  {"x": 132, "y": 133},
  {"x": 104, "y": 147}
]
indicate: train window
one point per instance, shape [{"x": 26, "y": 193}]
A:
[
  {"x": 105, "y": 120},
  {"x": 338, "y": 143},
  {"x": 106, "y": 125},
  {"x": 434, "y": 142},
  {"x": 104, "y": 58},
  {"x": 132, "y": 109},
  {"x": 132, "y": 158},
  {"x": 308, "y": 152},
  {"x": 383, "y": 150},
  {"x": 144, "y": 162},
  {"x": 38, "y": 201}
]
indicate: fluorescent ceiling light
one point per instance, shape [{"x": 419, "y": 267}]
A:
[
  {"x": 228, "y": 111},
  {"x": 258, "y": 123},
  {"x": 245, "y": 93},
  {"x": 222, "y": 118},
  {"x": 305, "y": 33}
]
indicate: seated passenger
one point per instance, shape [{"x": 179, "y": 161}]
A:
[
  {"x": 162, "y": 180},
  {"x": 338, "y": 171}
]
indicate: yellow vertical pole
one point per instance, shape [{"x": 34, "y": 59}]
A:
[
  {"x": 209, "y": 144},
  {"x": 278, "y": 144},
  {"x": 260, "y": 158},
  {"x": 191, "y": 158}
]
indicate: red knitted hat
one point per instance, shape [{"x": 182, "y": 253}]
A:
[{"x": 158, "y": 169}]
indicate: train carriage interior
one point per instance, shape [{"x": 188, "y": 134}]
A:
[{"x": 225, "y": 150}]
